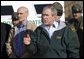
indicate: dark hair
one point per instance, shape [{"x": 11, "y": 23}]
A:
[{"x": 28, "y": 31}]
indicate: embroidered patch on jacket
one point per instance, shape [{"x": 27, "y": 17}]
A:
[{"x": 58, "y": 37}]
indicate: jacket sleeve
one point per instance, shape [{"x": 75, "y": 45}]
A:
[
  {"x": 72, "y": 43},
  {"x": 8, "y": 43}
]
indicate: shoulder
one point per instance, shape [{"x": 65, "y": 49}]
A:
[
  {"x": 2, "y": 26},
  {"x": 38, "y": 28},
  {"x": 61, "y": 25},
  {"x": 30, "y": 23},
  {"x": 70, "y": 28},
  {"x": 70, "y": 24},
  {"x": 5, "y": 27}
]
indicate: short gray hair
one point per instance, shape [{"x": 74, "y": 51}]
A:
[
  {"x": 53, "y": 10},
  {"x": 24, "y": 8}
]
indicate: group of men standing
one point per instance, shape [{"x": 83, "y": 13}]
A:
[{"x": 52, "y": 39}]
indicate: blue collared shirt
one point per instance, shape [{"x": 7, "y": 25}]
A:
[{"x": 21, "y": 27}]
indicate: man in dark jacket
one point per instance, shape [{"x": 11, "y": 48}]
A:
[
  {"x": 76, "y": 23},
  {"x": 5, "y": 28},
  {"x": 52, "y": 39}
]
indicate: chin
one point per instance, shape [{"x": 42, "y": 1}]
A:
[{"x": 47, "y": 24}]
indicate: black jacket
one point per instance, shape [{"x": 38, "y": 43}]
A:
[{"x": 63, "y": 44}]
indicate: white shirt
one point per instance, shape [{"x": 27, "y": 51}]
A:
[{"x": 51, "y": 29}]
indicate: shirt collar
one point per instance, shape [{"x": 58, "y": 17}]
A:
[
  {"x": 55, "y": 24},
  {"x": 23, "y": 24}
]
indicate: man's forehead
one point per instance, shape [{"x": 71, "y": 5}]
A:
[
  {"x": 47, "y": 10},
  {"x": 22, "y": 9}
]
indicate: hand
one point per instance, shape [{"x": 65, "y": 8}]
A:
[{"x": 27, "y": 40}]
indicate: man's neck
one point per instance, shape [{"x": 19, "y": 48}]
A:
[{"x": 48, "y": 26}]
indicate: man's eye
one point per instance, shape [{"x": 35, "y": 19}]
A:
[
  {"x": 20, "y": 13},
  {"x": 44, "y": 15}
]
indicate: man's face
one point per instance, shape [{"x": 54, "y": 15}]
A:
[
  {"x": 47, "y": 17},
  {"x": 15, "y": 23},
  {"x": 76, "y": 15},
  {"x": 22, "y": 14}
]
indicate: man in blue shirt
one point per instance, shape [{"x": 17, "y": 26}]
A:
[{"x": 15, "y": 46}]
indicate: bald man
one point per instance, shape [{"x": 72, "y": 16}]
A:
[{"x": 14, "y": 45}]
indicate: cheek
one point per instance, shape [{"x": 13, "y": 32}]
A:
[
  {"x": 50, "y": 19},
  {"x": 21, "y": 16},
  {"x": 79, "y": 14}
]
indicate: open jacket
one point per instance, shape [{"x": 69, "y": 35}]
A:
[
  {"x": 62, "y": 44},
  {"x": 9, "y": 43}
]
